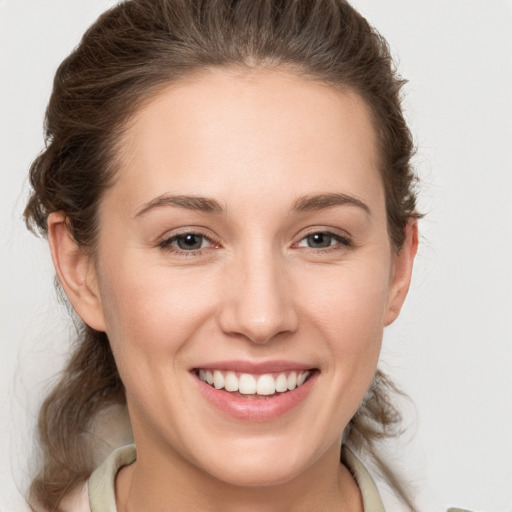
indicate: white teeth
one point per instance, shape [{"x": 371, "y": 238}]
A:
[
  {"x": 281, "y": 383},
  {"x": 292, "y": 381},
  {"x": 248, "y": 384},
  {"x": 301, "y": 379},
  {"x": 266, "y": 385},
  {"x": 230, "y": 382},
  {"x": 218, "y": 379}
]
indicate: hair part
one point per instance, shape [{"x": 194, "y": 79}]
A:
[{"x": 129, "y": 54}]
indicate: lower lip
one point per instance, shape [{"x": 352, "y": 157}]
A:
[{"x": 256, "y": 409}]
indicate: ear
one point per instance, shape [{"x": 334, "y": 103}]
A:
[
  {"x": 75, "y": 271},
  {"x": 402, "y": 272}
]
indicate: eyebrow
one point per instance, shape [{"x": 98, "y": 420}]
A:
[
  {"x": 202, "y": 204},
  {"x": 321, "y": 201},
  {"x": 207, "y": 205}
]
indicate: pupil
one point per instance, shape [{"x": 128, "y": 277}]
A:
[
  {"x": 319, "y": 240},
  {"x": 188, "y": 242}
]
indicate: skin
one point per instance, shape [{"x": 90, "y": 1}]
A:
[{"x": 259, "y": 289}]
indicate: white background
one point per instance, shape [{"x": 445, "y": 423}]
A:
[{"x": 452, "y": 347}]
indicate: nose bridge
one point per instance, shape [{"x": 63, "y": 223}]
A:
[{"x": 258, "y": 302}]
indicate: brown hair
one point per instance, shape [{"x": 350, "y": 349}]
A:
[{"x": 132, "y": 51}]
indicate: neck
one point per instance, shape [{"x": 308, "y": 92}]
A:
[{"x": 161, "y": 479}]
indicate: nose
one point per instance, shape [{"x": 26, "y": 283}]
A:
[{"x": 258, "y": 301}]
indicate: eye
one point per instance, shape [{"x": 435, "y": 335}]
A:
[
  {"x": 317, "y": 240},
  {"x": 323, "y": 240},
  {"x": 190, "y": 241},
  {"x": 187, "y": 242}
]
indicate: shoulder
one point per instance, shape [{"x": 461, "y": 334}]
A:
[
  {"x": 371, "y": 498},
  {"x": 101, "y": 485},
  {"x": 369, "y": 493},
  {"x": 77, "y": 500},
  {"x": 98, "y": 493}
]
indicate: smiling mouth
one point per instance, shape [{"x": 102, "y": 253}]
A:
[{"x": 250, "y": 385}]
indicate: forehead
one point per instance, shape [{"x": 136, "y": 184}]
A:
[{"x": 245, "y": 131}]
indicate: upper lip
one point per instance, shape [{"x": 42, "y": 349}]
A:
[{"x": 259, "y": 367}]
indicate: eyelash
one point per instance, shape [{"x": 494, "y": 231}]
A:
[{"x": 343, "y": 242}]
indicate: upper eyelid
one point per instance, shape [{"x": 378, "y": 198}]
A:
[
  {"x": 328, "y": 233},
  {"x": 192, "y": 230},
  {"x": 337, "y": 232},
  {"x": 166, "y": 241},
  {"x": 185, "y": 233}
]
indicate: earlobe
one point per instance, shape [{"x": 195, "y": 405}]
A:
[
  {"x": 402, "y": 272},
  {"x": 75, "y": 272}
]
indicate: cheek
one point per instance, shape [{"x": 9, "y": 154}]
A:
[
  {"x": 349, "y": 311},
  {"x": 150, "y": 309},
  {"x": 351, "y": 302}
]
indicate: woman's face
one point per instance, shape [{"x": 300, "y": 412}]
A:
[{"x": 245, "y": 240}]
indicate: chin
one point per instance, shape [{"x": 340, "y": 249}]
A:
[
  {"x": 260, "y": 473},
  {"x": 258, "y": 466}
]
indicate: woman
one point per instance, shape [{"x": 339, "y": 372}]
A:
[{"x": 228, "y": 199}]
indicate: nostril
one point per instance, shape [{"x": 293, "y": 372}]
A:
[{"x": 259, "y": 329}]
